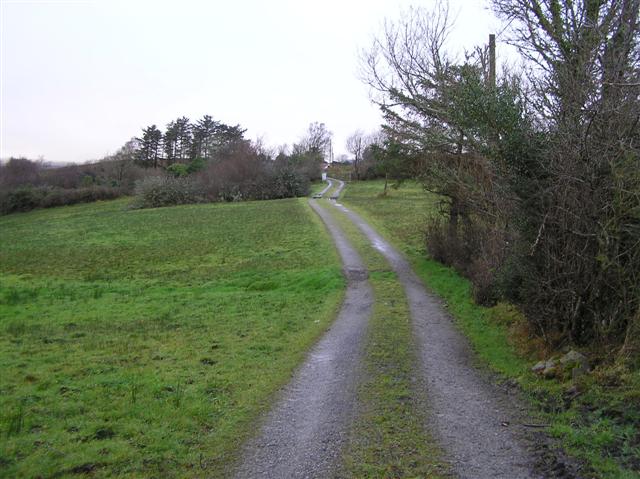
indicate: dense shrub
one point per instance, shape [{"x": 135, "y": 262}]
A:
[
  {"x": 195, "y": 165},
  {"x": 547, "y": 158},
  {"x": 160, "y": 191},
  {"x": 25, "y": 199},
  {"x": 62, "y": 197},
  {"x": 178, "y": 170},
  {"x": 274, "y": 183},
  {"x": 27, "y": 184},
  {"x": 265, "y": 183},
  {"x": 286, "y": 183},
  {"x": 21, "y": 199},
  {"x": 243, "y": 173},
  {"x": 476, "y": 251}
]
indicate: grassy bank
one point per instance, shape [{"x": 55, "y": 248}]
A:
[
  {"x": 316, "y": 187},
  {"x": 388, "y": 437},
  {"x": 144, "y": 343},
  {"x": 600, "y": 426}
]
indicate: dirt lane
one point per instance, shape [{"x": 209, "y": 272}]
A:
[
  {"x": 336, "y": 194},
  {"x": 325, "y": 189},
  {"x": 303, "y": 436},
  {"x": 474, "y": 421}
]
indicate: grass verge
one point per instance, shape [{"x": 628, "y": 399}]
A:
[
  {"x": 145, "y": 343},
  {"x": 388, "y": 438},
  {"x": 601, "y": 426},
  {"x": 317, "y": 187}
]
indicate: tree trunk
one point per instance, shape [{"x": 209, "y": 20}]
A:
[
  {"x": 630, "y": 351},
  {"x": 454, "y": 217}
]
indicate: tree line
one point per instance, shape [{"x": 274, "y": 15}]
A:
[
  {"x": 537, "y": 166},
  {"x": 206, "y": 160},
  {"x": 183, "y": 141},
  {"x": 211, "y": 161}
]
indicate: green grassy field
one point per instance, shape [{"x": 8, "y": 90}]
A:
[
  {"x": 144, "y": 343},
  {"x": 600, "y": 427}
]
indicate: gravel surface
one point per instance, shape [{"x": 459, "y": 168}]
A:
[
  {"x": 336, "y": 193},
  {"x": 303, "y": 435},
  {"x": 476, "y": 423},
  {"x": 326, "y": 188}
]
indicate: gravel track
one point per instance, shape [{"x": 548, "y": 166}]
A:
[
  {"x": 303, "y": 435},
  {"x": 475, "y": 422},
  {"x": 336, "y": 193},
  {"x": 326, "y": 188}
]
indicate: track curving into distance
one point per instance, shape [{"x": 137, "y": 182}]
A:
[
  {"x": 336, "y": 193},
  {"x": 326, "y": 188},
  {"x": 303, "y": 435}
]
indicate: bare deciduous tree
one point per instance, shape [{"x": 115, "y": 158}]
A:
[
  {"x": 356, "y": 144},
  {"x": 19, "y": 171},
  {"x": 430, "y": 105},
  {"x": 407, "y": 67},
  {"x": 316, "y": 141}
]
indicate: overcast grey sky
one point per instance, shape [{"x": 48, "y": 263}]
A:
[{"x": 79, "y": 78}]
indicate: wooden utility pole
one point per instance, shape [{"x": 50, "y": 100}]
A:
[
  {"x": 492, "y": 79},
  {"x": 330, "y": 151},
  {"x": 492, "y": 60}
]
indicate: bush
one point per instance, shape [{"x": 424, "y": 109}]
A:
[
  {"x": 286, "y": 183},
  {"x": 161, "y": 191},
  {"x": 21, "y": 199},
  {"x": 274, "y": 183},
  {"x": 477, "y": 251},
  {"x": 178, "y": 170},
  {"x": 244, "y": 174},
  {"x": 195, "y": 165},
  {"x": 26, "y": 199},
  {"x": 63, "y": 197}
]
